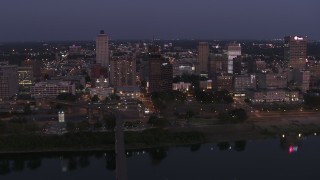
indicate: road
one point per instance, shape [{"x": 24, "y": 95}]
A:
[{"x": 121, "y": 161}]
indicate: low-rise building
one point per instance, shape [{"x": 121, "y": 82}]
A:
[
  {"x": 270, "y": 80},
  {"x": 244, "y": 82},
  {"x": 101, "y": 92},
  {"x": 273, "y": 95},
  {"x": 51, "y": 89},
  {"x": 225, "y": 82},
  {"x": 205, "y": 84},
  {"x": 181, "y": 86},
  {"x": 128, "y": 91}
]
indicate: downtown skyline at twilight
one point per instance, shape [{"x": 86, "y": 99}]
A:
[
  {"x": 59, "y": 20},
  {"x": 172, "y": 89}
]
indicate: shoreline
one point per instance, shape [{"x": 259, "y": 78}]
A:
[
  {"x": 256, "y": 128},
  {"x": 210, "y": 138}
]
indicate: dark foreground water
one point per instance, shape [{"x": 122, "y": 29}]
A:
[{"x": 285, "y": 158}]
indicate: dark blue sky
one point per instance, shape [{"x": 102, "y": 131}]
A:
[{"x": 36, "y": 20}]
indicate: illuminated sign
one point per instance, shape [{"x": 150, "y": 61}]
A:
[{"x": 298, "y": 38}]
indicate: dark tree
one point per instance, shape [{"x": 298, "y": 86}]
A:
[
  {"x": 84, "y": 161},
  {"x": 157, "y": 155},
  {"x": 4, "y": 167},
  {"x": 95, "y": 98},
  {"x": 18, "y": 164},
  {"x": 84, "y": 125},
  {"x": 70, "y": 126},
  {"x": 98, "y": 125},
  {"x": 67, "y": 97},
  {"x": 110, "y": 121},
  {"x": 34, "y": 163},
  {"x": 223, "y": 146},
  {"x": 27, "y": 109},
  {"x": 111, "y": 161},
  {"x": 240, "y": 146},
  {"x": 195, "y": 147}
]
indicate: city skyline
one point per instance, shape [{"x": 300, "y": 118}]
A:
[{"x": 59, "y": 20}]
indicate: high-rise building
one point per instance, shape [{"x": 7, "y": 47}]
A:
[
  {"x": 234, "y": 50},
  {"x": 160, "y": 73},
  {"x": 295, "y": 51},
  {"x": 218, "y": 64},
  {"x": 102, "y": 49},
  {"x": 203, "y": 57},
  {"x": 74, "y": 50},
  {"x": 237, "y": 66},
  {"x": 25, "y": 79},
  {"x": 123, "y": 71},
  {"x": 36, "y": 68},
  {"x": 155, "y": 62},
  {"x": 8, "y": 80},
  {"x": 166, "y": 77}
]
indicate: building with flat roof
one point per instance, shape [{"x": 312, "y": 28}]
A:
[
  {"x": 234, "y": 50},
  {"x": 160, "y": 74},
  {"x": 218, "y": 64},
  {"x": 123, "y": 71},
  {"x": 51, "y": 89},
  {"x": 299, "y": 79},
  {"x": 224, "y": 82},
  {"x": 203, "y": 57},
  {"x": 295, "y": 51},
  {"x": 74, "y": 50},
  {"x": 244, "y": 82},
  {"x": 270, "y": 80},
  {"x": 25, "y": 79},
  {"x": 181, "y": 86},
  {"x": 102, "y": 49},
  {"x": 8, "y": 80},
  {"x": 273, "y": 95}
]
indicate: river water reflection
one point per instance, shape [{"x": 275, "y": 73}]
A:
[{"x": 290, "y": 157}]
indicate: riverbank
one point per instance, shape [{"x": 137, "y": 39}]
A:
[
  {"x": 85, "y": 141},
  {"x": 253, "y": 129}
]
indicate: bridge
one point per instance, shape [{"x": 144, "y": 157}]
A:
[{"x": 121, "y": 162}]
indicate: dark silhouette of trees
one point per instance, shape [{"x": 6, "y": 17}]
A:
[
  {"x": 67, "y": 97},
  {"x": 223, "y": 146},
  {"x": 240, "y": 146}
]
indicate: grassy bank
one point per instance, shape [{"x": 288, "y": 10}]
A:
[
  {"x": 95, "y": 141},
  {"x": 84, "y": 141}
]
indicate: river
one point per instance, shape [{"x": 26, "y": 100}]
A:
[{"x": 291, "y": 157}]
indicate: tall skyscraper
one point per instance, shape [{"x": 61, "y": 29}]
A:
[
  {"x": 155, "y": 62},
  {"x": 36, "y": 68},
  {"x": 234, "y": 50},
  {"x": 102, "y": 49},
  {"x": 237, "y": 66},
  {"x": 8, "y": 80},
  {"x": 217, "y": 66},
  {"x": 160, "y": 71},
  {"x": 203, "y": 56},
  {"x": 166, "y": 77},
  {"x": 295, "y": 51},
  {"x": 123, "y": 71}
]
